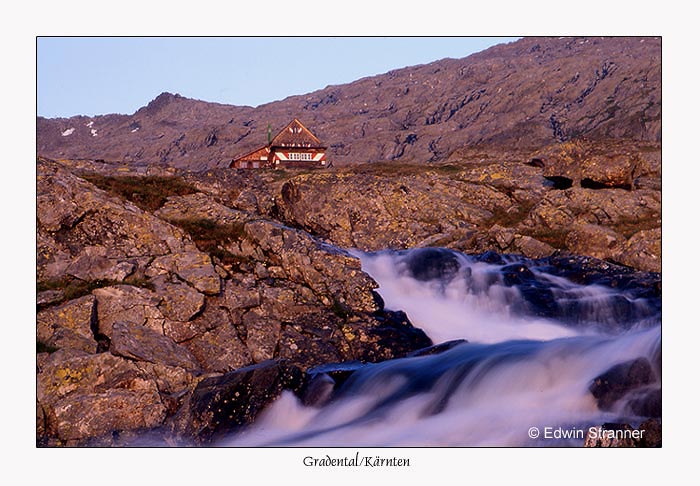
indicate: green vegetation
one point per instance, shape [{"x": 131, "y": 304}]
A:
[
  {"x": 73, "y": 288},
  {"x": 341, "y": 310},
  {"x": 553, "y": 237},
  {"x": 147, "y": 192},
  {"x": 44, "y": 348},
  {"x": 508, "y": 219},
  {"x": 630, "y": 226},
  {"x": 211, "y": 237}
]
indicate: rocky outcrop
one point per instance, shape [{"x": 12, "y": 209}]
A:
[
  {"x": 135, "y": 345},
  {"x": 137, "y": 342},
  {"x": 370, "y": 212},
  {"x": 71, "y": 325},
  {"x": 508, "y": 207},
  {"x": 83, "y": 396}
]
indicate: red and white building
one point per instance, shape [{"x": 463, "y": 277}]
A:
[{"x": 293, "y": 146}]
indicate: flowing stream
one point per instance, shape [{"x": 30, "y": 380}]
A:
[{"x": 533, "y": 347}]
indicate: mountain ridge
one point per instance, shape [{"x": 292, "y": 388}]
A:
[{"x": 526, "y": 94}]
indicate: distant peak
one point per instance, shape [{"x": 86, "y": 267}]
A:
[{"x": 162, "y": 100}]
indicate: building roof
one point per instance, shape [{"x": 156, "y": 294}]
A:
[
  {"x": 255, "y": 154},
  {"x": 295, "y": 135}
]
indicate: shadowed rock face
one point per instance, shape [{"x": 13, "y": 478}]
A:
[{"x": 528, "y": 93}]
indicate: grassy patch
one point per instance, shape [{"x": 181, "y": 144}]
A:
[
  {"x": 555, "y": 238},
  {"x": 629, "y": 227},
  {"x": 44, "y": 348},
  {"x": 508, "y": 219},
  {"x": 73, "y": 288},
  {"x": 148, "y": 192},
  {"x": 211, "y": 237}
]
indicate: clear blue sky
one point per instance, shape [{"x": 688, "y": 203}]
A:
[{"x": 100, "y": 75}]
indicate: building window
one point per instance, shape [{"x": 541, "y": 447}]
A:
[{"x": 300, "y": 156}]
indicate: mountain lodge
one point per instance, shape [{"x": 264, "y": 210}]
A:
[{"x": 293, "y": 146}]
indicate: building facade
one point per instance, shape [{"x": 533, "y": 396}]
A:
[{"x": 293, "y": 146}]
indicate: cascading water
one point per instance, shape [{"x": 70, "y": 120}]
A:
[{"x": 536, "y": 341}]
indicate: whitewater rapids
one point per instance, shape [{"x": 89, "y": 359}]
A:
[{"x": 520, "y": 368}]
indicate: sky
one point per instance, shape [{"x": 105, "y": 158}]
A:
[{"x": 100, "y": 75}]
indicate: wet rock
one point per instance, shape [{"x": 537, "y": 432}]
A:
[
  {"x": 645, "y": 403},
  {"x": 322, "y": 381},
  {"x": 432, "y": 264},
  {"x": 312, "y": 339},
  {"x": 135, "y": 341},
  {"x": 385, "y": 335},
  {"x": 619, "y": 380},
  {"x": 318, "y": 390},
  {"x": 223, "y": 404},
  {"x": 437, "y": 348}
]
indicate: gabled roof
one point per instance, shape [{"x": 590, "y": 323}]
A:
[
  {"x": 295, "y": 135},
  {"x": 255, "y": 154}
]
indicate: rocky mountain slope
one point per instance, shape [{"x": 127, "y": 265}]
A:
[{"x": 525, "y": 94}]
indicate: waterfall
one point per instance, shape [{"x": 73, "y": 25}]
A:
[{"x": 535, "y": 342}]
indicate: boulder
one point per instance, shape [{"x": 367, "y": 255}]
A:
[
  {"x": 609, "y": 170},
  {"x": 180, "y": 302},
  {"x": 126, "y": 303},
  {"x": 194, "y": 267},
  {"x": 642, "y": 251},
  {"x": 69, "y": 325},
  {"x": 262, "y": 335},
  {"x": 371, "y": 210},
  {"x": 224, "y": 404},
  {"x": 83, "y": 231},
  {"x": 619, "y": 380},
  {"x": 220, "y": 349},
  {"x": 332, "y": 274},
  {"x": 432, "y": 264},
  {"x": 137, "y": 342},
  {"x": 593, "y": 240},
  {"x": 84, "y": 396}
]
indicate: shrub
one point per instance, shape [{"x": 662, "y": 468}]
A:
[
  {"x": 73, "y": 288},
  {"x": 211, "y": 237},
  {"x": 147, "y": 192}
]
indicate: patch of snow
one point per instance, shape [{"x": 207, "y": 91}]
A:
[
  {"x": 89, "y": 125},
  {"x": 135, "y": 130},
  {"x": 67, "y": 132},
  {"x": 93, "y": 132}
]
